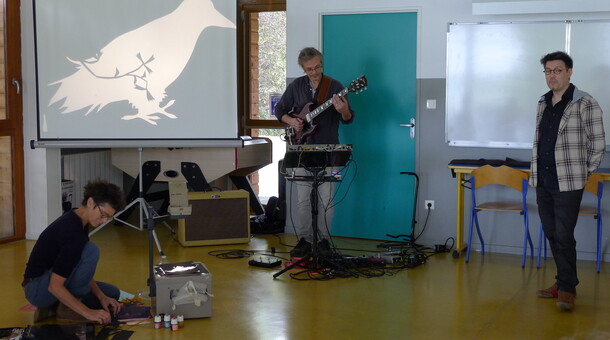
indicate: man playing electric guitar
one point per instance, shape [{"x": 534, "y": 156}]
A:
[
  {"x": 316, "y": 88},
  {"x": 311, "y": 90}
]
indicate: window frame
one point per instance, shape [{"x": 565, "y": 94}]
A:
[
  {"x": 245, "y": 8},
  {"x": 12, "y": 126}
]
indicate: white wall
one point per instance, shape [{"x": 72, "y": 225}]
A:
[
  {"x": 42, "y": 166},
  {"x": 303, "y": 20}
]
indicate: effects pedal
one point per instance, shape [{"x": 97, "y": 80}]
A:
[{"x": 265, "y": 263}]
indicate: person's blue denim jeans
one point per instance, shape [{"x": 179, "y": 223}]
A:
[{"x": 37, "y": 292}]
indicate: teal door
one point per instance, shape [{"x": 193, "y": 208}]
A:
[{"x": 374, "y": 199}]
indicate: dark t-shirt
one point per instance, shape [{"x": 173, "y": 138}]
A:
[
  {"x": 59, "y": 247},
  {"x": 547, "y": 138},
  {"x": 298, "y": 94}
]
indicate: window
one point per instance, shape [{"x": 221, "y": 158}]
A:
[{"x": 262, "y": 70}]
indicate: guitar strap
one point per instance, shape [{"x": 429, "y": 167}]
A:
[{"x": 324, "y": 87}]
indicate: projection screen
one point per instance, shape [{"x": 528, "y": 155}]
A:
[{"x": 136, "y": 72}]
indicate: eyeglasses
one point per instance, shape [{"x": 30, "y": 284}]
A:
[
  {"x": 103, "y": 214},
  {"x": 313, "y": 69},
  {"x": 554, "y": 71}
]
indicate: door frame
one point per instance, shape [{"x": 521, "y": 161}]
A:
[{"x": 13, "y": 125}]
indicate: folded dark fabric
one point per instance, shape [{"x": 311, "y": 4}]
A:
[{"x": 493, "y": 162}]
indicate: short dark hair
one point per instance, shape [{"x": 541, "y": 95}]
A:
[
  {"x": 103, "y": 192},
  {"x": 307, "y": 54},
  {"x": 559, "y": 55}
]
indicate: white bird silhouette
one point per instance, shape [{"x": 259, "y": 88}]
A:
[{"x": 139, "y": 65}]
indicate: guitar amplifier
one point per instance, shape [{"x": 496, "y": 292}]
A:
[{"x": 217, "y": 217}]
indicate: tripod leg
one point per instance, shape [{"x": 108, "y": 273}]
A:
[
  {"x": 299, "y": 262},
  {"x": 148, "y": 210},
  {"x": 161, "y": 253},
  {"x": 118, "y": 219}
]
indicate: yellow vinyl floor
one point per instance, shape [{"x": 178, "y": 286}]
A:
[{"x": 491, "y": 297}]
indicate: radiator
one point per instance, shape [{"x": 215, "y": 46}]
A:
[{"x": 83, "y": 167}]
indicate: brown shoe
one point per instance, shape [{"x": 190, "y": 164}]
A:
[
  {"x": 548, "y": 293},
  {"x": 565, "y": 301},
  {"x": 43, "y": 313},
  {"x": 65, "y": 314}
]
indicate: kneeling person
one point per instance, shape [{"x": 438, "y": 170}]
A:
[{"x": 62, "y": 264}]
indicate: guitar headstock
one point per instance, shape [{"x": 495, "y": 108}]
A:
[{"x": 358, "y": 85}]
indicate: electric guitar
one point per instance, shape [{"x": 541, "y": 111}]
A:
[{"x": 307, "y": 116}]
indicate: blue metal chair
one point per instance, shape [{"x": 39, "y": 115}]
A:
[
  {"x": 504, "y": 176},
  {"x": 595, "y": 185}
]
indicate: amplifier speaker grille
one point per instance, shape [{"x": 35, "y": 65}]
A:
[{"x": 217, "y": 217}]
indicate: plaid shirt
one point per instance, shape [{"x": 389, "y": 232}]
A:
[{"x": 580, "y": 144}]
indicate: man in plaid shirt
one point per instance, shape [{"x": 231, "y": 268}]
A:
[{"x": 569, "y": 145}]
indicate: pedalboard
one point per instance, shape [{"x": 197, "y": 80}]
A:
[{"x": 390, "y": 257}]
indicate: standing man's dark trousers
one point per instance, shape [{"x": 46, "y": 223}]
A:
[{"x": 558, "y": 214}]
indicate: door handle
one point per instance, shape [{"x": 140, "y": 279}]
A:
[
  {"x": 15, "y": 82},
  {"x": 412, "y": 126}
]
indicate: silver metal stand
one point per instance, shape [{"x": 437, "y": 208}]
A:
[{"x": 144, "y": 211}]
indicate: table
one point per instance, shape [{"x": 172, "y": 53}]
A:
[{"x": 459, "y": 172}]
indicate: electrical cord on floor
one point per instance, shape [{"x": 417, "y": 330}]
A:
[
  {"x": 404, "y": 256},
  {"x": 229, "y": 254}
]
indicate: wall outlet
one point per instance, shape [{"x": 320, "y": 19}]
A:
[{"x": 429, "y": 202}]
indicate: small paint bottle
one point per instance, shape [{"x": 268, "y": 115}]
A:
[
  {"x": 180, "y": 320},
  {"x": 174, "y": 324},
  {"x": 158, "y": 322},
  {"x": 167, "y": 321}
]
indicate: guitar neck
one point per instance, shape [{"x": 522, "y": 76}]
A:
[{"x": 313, "y": 114}]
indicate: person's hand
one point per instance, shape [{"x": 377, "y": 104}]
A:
[
  {"x": 98, "y": 315},
  {"x": 296, "y": 123},
  {"x": 110, "y": 305},
  {"x": 340, "y": 104}
]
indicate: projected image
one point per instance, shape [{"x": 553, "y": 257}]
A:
[
  {"x": 165, "y": 71},
  {"x": 139, "y": 65}
]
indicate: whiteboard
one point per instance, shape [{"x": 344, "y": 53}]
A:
[{"x": 495, "y": 79}]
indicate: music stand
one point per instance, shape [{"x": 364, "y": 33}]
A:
[{"x": 314, "y": 160}]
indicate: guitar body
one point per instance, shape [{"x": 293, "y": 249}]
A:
[
  {"x": 308, "y": 116},
  {"x": 298, "y": 137}
]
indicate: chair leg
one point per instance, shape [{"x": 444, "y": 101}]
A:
[
  {"x": 544, "y": 242},
  {"x": 472, "y": 216},
  {"x": 526, "y": 239},
  {"x": 529, "y": 239},
  {"x": 476, "y": 220},
  {"x": 540, "y": 240},
  {"x": 599, "y": 242},
  {"x": 524, "y": 257}
]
